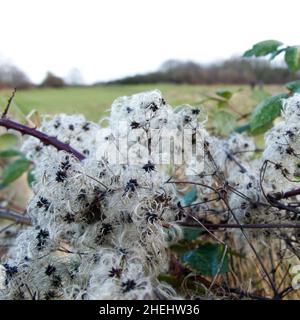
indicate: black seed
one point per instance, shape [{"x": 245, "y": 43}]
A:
[
  {"x": 106, "y": 228},
  {"x": 10, "y": 270},
  {"x": 50, "y": 269},
  {"x": 149, "y": 167},
  {"x": 131, "y": 186},
  {"x": 42, "y": 237},
  {"x": 86, "y": 152},
  {"x": 128, "y": 285},
  {"x": 61, "y": 176},
  {"x": 82, "y": 195},
  {"x": 115, "y": 272},
  {"x": 69, "y": 218},
  {"x": 187, "y": 119},
  {"x": 153, "y": 106},
  {"x": 43, "y": 202},
  {"x": 56, "y": 281},
  {"x": 135, "y": 125},
  {"x": 56, "y": 124},
  {"x": 86, "y": 126}
]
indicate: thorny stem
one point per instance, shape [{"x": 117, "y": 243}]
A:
[{"x": 47, "y": 140}]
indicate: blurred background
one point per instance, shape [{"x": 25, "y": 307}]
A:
[{"x": 77, "y": 56}]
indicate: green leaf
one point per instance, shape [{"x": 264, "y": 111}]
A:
[
  {"x": 292, "y": 58},
  {"x": 208, "y": 259},
  {"x": 190, "y": 196},
  {"x": 293, "y": 86},
  {"x": 8, "y": 140},
  {"x": 192, "y": 233},
  {"x": 10, "y": 153},
  {"x": 225, "y": 93},
  {"x": 30, "y": 178},
  {"x": 14, "y": 170},
  {"x": 243, "y": 128},
  {"x": 263, "y": 48},
  {"x": 223, "y": 121},
  {"x": 265, "y": 112}
]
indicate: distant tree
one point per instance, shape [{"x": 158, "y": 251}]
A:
[
  {"x": 74, "y": 78},
  {"x": 53, "y": 81},
  {"x": 12, "y": 77}
]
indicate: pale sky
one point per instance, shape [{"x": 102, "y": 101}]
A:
[{"x": 108, "y": 39}]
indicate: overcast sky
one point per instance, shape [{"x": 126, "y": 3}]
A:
[{"x": 108, "y": 39}]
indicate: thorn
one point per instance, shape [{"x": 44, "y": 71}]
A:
[{"x": 4, "y": 114}]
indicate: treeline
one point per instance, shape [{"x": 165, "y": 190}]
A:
[
  {"x": 13, "y": 77},
  {"x": 233, "y": 71}
]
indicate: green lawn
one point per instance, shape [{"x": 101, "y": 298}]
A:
[{"x": 94, "y": 102}]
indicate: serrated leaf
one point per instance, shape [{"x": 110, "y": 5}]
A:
[
  {"x": 263, "y": 48},
  {"x": 10, "y": 153},
  {"x": 14, "y": 170},
  {"x": 293, "y": 86},
  {"x": 292, "y": 58},
  {"x": 223, "y": 121},
  {"x": 7, "y": 141},
  {"x": 265, "y": 112},
  {"x": 208, "y": 259}
]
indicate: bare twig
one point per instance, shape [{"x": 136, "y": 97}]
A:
[
  {"x": 211, "y": 226},
  {"x": 14, "y": 216},
  {"x": 4, "y": 114}
]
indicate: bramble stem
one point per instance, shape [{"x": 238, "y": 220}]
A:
[{"x": 47, "y": 140}]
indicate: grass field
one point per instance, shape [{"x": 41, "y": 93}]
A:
[{"x": 94, "y": 102}]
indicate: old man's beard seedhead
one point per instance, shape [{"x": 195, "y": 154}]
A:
[{"x": 101, "y": 227}]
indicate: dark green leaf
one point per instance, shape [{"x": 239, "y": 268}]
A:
[
  {"x": 190, "y": 196},
  {"x": 265, "y": 112},
  {"x": 10, "y": 153},
  {"x": 243, "y": 128},
  {"x": 30, "y": 178},
  {"x": 208, "y": 259},
  {"x": 263, "y": 48},
  {"x": 293, "y": 86},
  {"x": 192, "y": 233},
  {"x": 14, "y": 170},
  {"x": 292, "y": 58}
]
